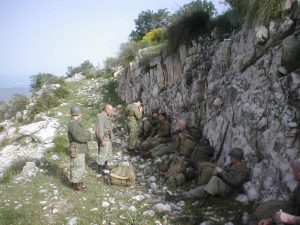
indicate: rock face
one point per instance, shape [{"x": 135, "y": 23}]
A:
[{"x": 239, "y": 92}]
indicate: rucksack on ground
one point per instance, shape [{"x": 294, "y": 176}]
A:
[{"x": 123, "y": 174}]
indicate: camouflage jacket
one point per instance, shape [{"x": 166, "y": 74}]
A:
[
  {"x": 103, "y": 127},
  {"x": 77, "y": 134},
  {"x": 234, "y": 175},
  {"x": 154, "y": 125},
  {"x": 164, "y": 129},
  {"x": 133, "y": 112},
  {"x": 296, "y": 201}
]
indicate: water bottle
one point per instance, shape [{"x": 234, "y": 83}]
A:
[{"x": 245, "y": 218}]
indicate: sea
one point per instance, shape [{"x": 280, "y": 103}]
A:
[{"x": 14, "y": 84}]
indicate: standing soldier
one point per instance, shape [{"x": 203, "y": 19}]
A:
[
  {"x": 104, "y": 136},
  {"x": 134, "y": 114},
  {"x": 78, "y": 138}
]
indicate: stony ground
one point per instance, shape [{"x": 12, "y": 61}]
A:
[{"x": 46, "y": 197}]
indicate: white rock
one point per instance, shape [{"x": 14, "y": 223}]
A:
[
  {"x": 29, "y": 170},
  {"x": 54, "y": 157},
  {"x": 152, "y": 179},
  {"x": 54, "y": 211},
  {"x": 94, "y": 209},
  {"x": 32, "y": 128},
  {"x": 153, "y": 186},
  {"x": 72, "y": 221},
  {"x": 105, "y": 204},
  {"x": 132, "y": 209},
  {"x": 149, "y": 213},
  {"x": 162, "y": 208},
  {"x": 138, "y": 197},
  {"x": 45, "y": 135}
]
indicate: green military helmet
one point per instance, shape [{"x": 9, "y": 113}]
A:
[
  {"x": 75, "y": 110},
  {"x": 237, "y": 153}
]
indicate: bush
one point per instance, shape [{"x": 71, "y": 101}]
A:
[
  {"x": 86, "y": 65},
  {"x": 225, "y": 24},
  {"x": 128, "y": 52},
  {"x": 257, "y": 11},
  {"x": 156, "y": 36},
  {"x": 44, "y": 103},
  {"x": 194, "y": 6},
  {"x": 61, "y": 92},
  {"x": 186, "y": 29},
  {"x": 61, "y": 144},
  {"x": 37, "y": 81}
]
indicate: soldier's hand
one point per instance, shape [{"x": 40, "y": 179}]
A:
[
  {"x": 282, "y": 217},
  {"x": 103, "y": 143},
  {"x": 218, "y": 170},
  {"x": 265, "y": 222}
]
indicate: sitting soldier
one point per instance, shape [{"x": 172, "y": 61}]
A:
[
  {"x": 221, "y": 183},
  {"x": 181, "y": 141},
  {"x": 149, "y": 125},
  {"x": 184, "y": 164},
  {"x": 163, "y": 133}
]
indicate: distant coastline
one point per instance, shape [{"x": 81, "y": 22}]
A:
[
  {"x": 7, "y": 93},
  {"x": 14, "y": 84}
]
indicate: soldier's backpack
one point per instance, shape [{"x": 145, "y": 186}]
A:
[{"x": 123, "y": 174}]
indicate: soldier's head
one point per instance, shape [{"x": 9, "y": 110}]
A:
[
  {"x": 75, "y": 111},
  {"x": 296, "y": 169},
  {"x": 155, "y": 113},
  {"x": 181, "y": 125},
  {"x": 109, "y": 110},
  {"x": 162, "y": 116},
  {"x": 236, "y": 154},
  {"x": 139, "y": 101}
]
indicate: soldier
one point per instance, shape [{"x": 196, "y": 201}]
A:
[
  {"x": 222, "y": 182},
  {"x": 104, "y": 135},
  {"x": 181, "y": 143},
  {"x": 149, "y": 125},
  {"x": 163, "y": 133},
  {"x": 134, "y": 115},
  {"x": 292, "y": 217},
  {"x": 78, "y": 138}
]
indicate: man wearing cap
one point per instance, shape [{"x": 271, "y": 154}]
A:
[
  {"x": 223, "y": 181},
  {"x": 78, "y": 138},
  {"x": 134, "y": 114},
  {"x": 104, "y": 136}
]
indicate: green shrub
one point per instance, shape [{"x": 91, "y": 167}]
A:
[
  {"x": 194, "y": 6},
  {"x": 61, "y": 144},
  {"x": 186, "y": 29},
  {"x": 225, "y": 24},
  {"x": 37, "y": 81},
  {"x": 44, "y": 103},
  {"x": 258, "y": 11},
  {"x": 1, "y": 128},
  {"x": 128, "y": 52},
  {"x": 61, "y": 92},
  {"x": 86, "y": 65}
]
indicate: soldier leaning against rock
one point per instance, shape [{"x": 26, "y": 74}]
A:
[
  {"x": 78, "y": 138},
  {"x": 163, "y": 133},
  {"x": 104, "y": 136},
  {"x": 134, "y": 114},
  {"x": 222, "y": 181},
  {"x": 149, "y": 125}
]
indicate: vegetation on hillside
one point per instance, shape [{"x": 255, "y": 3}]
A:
[{"x": 86, "y": 65}]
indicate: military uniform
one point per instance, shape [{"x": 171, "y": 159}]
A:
[
  {"x": 163, "y": 133},
  {"x": 268, "y": 209},
  {"x": 150, "y": 127},
  {"x": 134, "y": 115},
  {"x": 231, "y": 178},
  {"x": 77, "y": 134},
  {"x": 104, "y": 132}
]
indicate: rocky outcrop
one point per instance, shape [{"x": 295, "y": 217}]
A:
[{"x": 239, "y": 92}]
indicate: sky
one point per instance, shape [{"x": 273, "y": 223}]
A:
[{"x": 47, "y": 36}]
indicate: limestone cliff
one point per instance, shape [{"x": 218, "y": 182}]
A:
[{"x": 237, "y": 90}]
